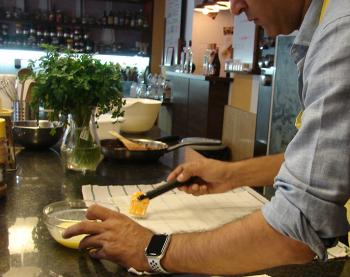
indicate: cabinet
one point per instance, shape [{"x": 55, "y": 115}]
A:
[
  {"x": 198, "y": 104},
  {"x": 104, "y": 26}
]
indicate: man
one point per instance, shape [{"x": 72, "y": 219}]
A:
[{"x": 307, "y": 214}]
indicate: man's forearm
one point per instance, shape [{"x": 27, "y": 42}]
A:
[
  {"x": 246, "y": 245},
  {"x": 254, "y": 172}
]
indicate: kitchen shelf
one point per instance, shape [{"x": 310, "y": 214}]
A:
[{"x": 50, "y": 24}]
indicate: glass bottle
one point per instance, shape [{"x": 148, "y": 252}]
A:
[
  {"x": 127, "y": 19},
  {"x": 3, "y": 157},
  {"x": 140, "y": 18},
  {"x": 110, "y": 19},
  {"x": 121, "y": 18},
  {"x": 167, "y": 90},
  {"x": 189, "y": 58},
  {"x": 116, "y": 19},
  {"x": 104, "y": 18}
]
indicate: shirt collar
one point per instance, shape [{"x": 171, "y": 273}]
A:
[
  {"x": 307, "y": 29},
  {"x": 310, "y": 23}
]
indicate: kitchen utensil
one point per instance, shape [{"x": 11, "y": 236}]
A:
[
  {"x": 7, "y": 89},
  {"x": 130, "y": 145},
  {"x": 22, "y": 73},
  {"x": 58, "y": 216},
  {"x": 37, "y": 134},
  {"x": 27, "y": 87},
  {"x": 140, "y": 201},
  {"x": 164, "y": 188},
  {"x": 113, "y": 149}
]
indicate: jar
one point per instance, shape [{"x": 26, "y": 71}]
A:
[
  {"x": 3, "y": 157},
  {"x": 19, "y": 29}
]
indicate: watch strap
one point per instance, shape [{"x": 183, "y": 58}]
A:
[{"x": 155, "y": 261}]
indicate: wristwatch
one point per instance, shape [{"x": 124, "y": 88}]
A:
[{"x": 155, "y": 251}]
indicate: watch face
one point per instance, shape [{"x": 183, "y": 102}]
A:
[{"x": 156, "y": 244}]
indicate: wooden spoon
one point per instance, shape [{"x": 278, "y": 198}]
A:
[{"x": 130, "y": 145}]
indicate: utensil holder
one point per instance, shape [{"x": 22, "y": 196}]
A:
[{"x": 21, "y": 111}]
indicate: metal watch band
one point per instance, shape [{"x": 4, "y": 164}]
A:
[{"x": 154, "y": 261}]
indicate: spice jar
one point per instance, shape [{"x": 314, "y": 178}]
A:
[{"x": 3, "y": 157}]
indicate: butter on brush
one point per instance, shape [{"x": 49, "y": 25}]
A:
[{"x": 140, "y": 201}]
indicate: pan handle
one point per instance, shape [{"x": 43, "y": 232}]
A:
[{"x": 194, "y": 141}]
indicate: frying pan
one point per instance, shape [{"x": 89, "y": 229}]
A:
[{"x": 114, "y": 149}]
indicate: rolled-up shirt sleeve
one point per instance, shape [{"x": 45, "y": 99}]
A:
[{"x": 313, "y": 184}]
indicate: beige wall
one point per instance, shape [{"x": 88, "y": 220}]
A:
[{"x": 158, "y": 35}]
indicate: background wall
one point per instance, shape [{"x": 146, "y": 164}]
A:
[{"x": 207, "y": 30}]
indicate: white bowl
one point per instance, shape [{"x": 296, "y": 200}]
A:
[
  {"x": 140, "y": 114},
  {"x": 106, "y": 123}
]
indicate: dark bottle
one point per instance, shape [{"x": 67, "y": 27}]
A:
[
  {"x": 127, "y": 19},
  {"x": 59, "y": 17},
  {"x": 104, "y": 18},
  {"x": 216, "y": 64},
  {"x": 121, "y": 19}
]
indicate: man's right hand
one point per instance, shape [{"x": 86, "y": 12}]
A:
[{"x": 213, "y": 176}]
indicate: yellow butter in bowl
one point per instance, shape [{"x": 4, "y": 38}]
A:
[
  {"x": 138, "y": 208},
  {"x": 57, "y": 231}
]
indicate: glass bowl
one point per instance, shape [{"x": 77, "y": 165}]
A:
[{"x": 58, "y": 216}]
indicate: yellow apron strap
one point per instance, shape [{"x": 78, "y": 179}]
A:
[
  {"x": 323, "y": 12},
  {"x": 324, "y": 8},
  {"x": 297, "y": 123}
]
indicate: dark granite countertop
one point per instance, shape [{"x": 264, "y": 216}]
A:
[{"x": 26, "y": 248}]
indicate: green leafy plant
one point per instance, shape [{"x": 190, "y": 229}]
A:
[
  {"x": 71, "y": 83},
  {"x": 77, "y": 85}
]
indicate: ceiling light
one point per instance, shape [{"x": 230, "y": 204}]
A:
[
  {"x": 225, "y": 4},
  {"x": 212, "y": 8}
]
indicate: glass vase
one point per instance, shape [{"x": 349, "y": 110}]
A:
[{"x": 80, "y": 149}]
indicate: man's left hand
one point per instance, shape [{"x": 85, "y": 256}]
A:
[{"x": 115, "y": 237}]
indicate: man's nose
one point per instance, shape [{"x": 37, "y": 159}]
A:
[{"x": 238, "y": 6}]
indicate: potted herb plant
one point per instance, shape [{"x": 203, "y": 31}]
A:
[{"x": 76, "y": 87}]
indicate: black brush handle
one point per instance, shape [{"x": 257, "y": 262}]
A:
[{"x": 165, "y": 188}]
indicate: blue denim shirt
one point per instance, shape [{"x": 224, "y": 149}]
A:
[{"x": 313, "y": 183}]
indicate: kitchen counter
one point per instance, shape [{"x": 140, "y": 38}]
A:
[{"x": 26, "y": 248}]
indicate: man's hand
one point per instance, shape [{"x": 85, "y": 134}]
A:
[
  {"x": 213, "y": 176},
  {"x": 116, "y": 237}
]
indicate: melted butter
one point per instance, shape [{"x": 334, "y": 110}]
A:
[{"x": 72, "y": 242}]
